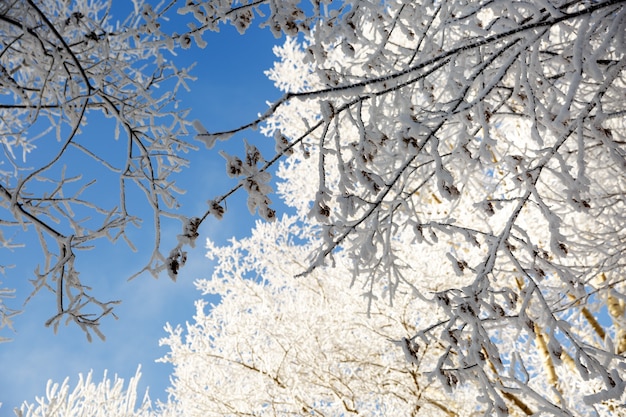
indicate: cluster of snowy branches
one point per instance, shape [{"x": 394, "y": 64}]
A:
[
  {"x": 90, "y": 399},
  {"x": 471, "y": 155},
  {"x": 459, "y": 251},
  {"x": 62, "y": 63}
]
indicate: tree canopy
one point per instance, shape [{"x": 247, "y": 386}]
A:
[{"x": 456, "y": 171}]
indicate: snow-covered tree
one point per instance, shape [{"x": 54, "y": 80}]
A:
[
  {"x": 471, "y": 154},
  {"x": 88, "y": 399},
  {"x": 279, "y": 346},
  {"x": 63, "y": 64}
]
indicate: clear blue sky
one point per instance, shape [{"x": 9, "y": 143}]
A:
[{"x": 231, "y": 89}]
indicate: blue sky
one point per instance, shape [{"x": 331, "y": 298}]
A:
[{"x": 231, "y": 89}]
